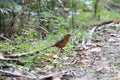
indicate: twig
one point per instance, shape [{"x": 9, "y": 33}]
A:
[{"x": 2, "y": 36}]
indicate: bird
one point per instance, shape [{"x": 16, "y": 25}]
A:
[{"x": 61, "y": 43}]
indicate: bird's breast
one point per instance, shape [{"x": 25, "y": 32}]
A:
[{"x": 63, "y": 44}]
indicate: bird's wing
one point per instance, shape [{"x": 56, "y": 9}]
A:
[{"x": 59, "y": 42}]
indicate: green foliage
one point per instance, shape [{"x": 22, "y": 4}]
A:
[
  {"x": 110, "y": 15},
  {"x": 1, "y": 77},
  {"x": 8, "y": 5},
  {"x": 86, "y": 3},
  {"x": 117, "y": 1},
  {"x": 31, "y": 33},
  {"x": 3, "y": 11},
  {"x": 8, "y": 10}
]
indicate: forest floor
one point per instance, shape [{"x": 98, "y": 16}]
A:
[{"x": 96, "y": 59}]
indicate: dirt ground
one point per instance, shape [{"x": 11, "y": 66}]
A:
[{"x": 98, "y": 58}]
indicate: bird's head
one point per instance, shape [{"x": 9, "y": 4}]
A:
[{"x": 67, "y": 36}]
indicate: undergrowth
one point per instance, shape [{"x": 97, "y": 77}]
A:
[{"x": 29, "y": 41}]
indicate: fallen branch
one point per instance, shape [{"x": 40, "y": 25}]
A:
[
  {"x": 117, "y": 6},
  {"x": 2, "y": 36},
  {"x": 21, "y": 55},
  {"x": 104, "y": 25},
  {"x": 15, "y": 74},
  {"x": 27, "y": 77},
  {"x": 17, "y": 61}
]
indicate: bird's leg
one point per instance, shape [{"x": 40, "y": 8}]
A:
[{"x": 61, "y": 50}]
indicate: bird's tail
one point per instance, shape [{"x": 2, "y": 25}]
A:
[{"x": 48, "y": 47}]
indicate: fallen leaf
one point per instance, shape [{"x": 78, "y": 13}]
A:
[
  {"x": 56, "y": 56},
  {"x": 49, "y": 67},
  {"x": 48, "y": 56},
  {"x": 98, "y": 49},
  {"x": 82, "y": 64},
  {"x": 1, "y": 56},
  {"x": 106, "y": 46}
]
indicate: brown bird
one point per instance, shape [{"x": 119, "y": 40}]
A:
[{"x": 62, "y": 43}]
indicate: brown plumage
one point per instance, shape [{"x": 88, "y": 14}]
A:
[{"x": 62, "y": 43}]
